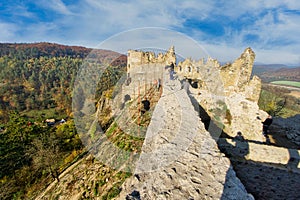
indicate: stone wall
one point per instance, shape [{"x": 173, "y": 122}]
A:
[
  {"x": 228, "y": 94},
  {"x": 144, "y": 69},
  {"x": 235, "y": 77},
  {"x": 136, "y": 59},
  {"x": 289, "y": 127},
  {"x": 179, "y": 158},
  {"x": 261, "y": 153},
  {"x": 190, "y": 68}
]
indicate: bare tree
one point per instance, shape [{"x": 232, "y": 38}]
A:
[{"x": 46, "y": 155}]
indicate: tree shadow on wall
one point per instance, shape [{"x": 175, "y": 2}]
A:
[{"x": 262, "y": 180}]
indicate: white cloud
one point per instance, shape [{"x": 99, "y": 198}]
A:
[
  {"x": 155, "y": 38},
  {"x": 55, "y": 5},
  {"x": 8, "y": 31},
  {"x": 275, "y": 56},
  {"x": 60, "y": 7},
  {"x": 89, "y": 22},
  {"x": 226, "y": 53},
  {"x": 20, "y": 10},
  {"x": 39, "y": 32},
  {"x": 97, "y": 20},
  {"x": 123, "y": 15}
]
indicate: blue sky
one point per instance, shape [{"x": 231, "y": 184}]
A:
[{"x": 224, "y": 28}]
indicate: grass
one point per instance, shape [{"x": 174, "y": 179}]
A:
[
  {"x": 286, "y": 113},
  {"x": 111, "y": 129},
  {"x": 123, "y": 140},
  {"x": 115, "y": 189},
  {"x": 44, "y": 114},
  {"x": 270, "y": 100},
  {"x": 288, "y": 83}
]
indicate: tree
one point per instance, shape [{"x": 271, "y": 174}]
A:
[
  {"x": 46, "y": 155},
  {"x": 14, "y": 140},
  {"x": 272, "y": 103}
]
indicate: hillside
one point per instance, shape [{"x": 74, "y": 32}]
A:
[
  {"x": 261, "y": 68},
  {"x": 42, "y": 49},
  {"x": 41, "y": 75},
  {"x": 269, "y": 73},
  {"x": 36, "y": 85},
  {"x": 45, "y": 49},
  {"x": 290, "y": 74}
]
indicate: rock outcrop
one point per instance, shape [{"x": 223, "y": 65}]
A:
[
  {"x": 228, "y": 94},
  {"x": 236, "y": 76}
]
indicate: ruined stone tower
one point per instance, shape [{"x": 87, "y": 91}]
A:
[{"x": 148, "y": 62}]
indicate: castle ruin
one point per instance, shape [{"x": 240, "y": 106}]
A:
[{"x": 228, "y": 93}]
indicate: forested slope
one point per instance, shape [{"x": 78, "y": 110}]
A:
[{"x": 36, "y": 83}]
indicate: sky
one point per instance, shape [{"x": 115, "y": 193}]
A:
[{"x": 223, "y": 28}]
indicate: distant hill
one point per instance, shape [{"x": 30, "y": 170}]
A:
[
  {"x": 275, "y": 72},
  {"x": 261, "y": 68},
  {"x": 41, "y": 75},
  {"x": 45, "y": 49},
  {"x": 35, "y": 50}
]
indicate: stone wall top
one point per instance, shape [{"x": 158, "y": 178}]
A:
[{"x": 136, "y": 58}]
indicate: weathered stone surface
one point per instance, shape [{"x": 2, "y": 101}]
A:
[
  {"x": 234, "y": 114},
  {"x": 252, "y": 89},
  {"x": 268, "y": 181},
  {"x": 179, "y": 159},
  {"x": 230, "y": 96},
  {"x": 234, "y": 77},
  {"x": 237, "y": 74},
  {"x": 260, "y": 153},
  {"x": 245, "y": 118},
  {"x": 138, "y": 58},
  {"x": 290, "y": 126}
]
